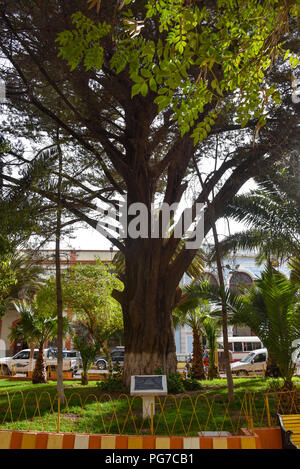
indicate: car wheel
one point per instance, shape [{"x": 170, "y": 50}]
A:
[
  {"x": 101, "y": 365},
  {"x": 5, "y": 371}
]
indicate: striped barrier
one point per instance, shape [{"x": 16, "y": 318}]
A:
[{"x": 43, "y": 440}]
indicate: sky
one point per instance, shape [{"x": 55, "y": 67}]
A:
[{"x": 87, "y": 238}]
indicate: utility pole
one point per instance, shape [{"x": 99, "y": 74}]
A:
[{"x": 60, "y": 384}]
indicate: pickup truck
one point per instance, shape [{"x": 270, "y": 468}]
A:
[
  {"x": 20, "y": 363},
  {"x": 116, "y": 356}
]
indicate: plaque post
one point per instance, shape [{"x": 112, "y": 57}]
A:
[{"x": 148, "y": 406}]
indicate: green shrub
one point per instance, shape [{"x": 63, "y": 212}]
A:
[
  {"x": 192, "y": 384},
  {"x": 111, "y": 384},
  {"x": 273, "y": 384},
  {"x": 174, "y": 384}
]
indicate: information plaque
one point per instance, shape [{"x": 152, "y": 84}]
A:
[{"x": 149, "y": 385}]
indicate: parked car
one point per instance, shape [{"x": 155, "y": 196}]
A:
[
  {"x": 20, "y": 363},
  {"x": 73, "y": 354},
  {"x": 116, "y": 356},
  {"x": 253, "y": 363}
]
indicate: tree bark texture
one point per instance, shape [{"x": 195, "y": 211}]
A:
[
  {"x": 198, "y": 371},
  {"x": 149, "y": 299},
  {"x": 39, "y": 374}
]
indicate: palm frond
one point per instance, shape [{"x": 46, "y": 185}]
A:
[{"x": 272, "y": 214}]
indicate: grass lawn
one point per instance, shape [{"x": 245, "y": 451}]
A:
[{"x": 24, "y": 406}]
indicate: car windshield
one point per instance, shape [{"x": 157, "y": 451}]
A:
[{"x": 248, "y": 358}]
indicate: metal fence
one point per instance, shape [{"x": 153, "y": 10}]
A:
[{"x": 172, "y": 415}]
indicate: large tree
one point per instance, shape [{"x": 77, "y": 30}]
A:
[
  {"x": 148, "y": 82},
  {"x": 86, "y": 291}
]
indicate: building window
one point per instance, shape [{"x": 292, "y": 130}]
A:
[
  {"x": 239, "y": 280},
  {"x": 189, "y": 342},
  {"x": 238, "y": 347}
]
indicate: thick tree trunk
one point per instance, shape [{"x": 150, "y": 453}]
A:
[
  {"x": 272, "y": 369},
  {"x": 150, "y": 341},
  {"x": 148, "y": 302}
]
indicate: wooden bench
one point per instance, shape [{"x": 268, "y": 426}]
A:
[{"x": 290, "y": 430}]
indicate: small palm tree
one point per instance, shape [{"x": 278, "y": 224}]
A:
[
  {"x": 27, "y": 279},
  {"x": 271, "y": 308},
  {"x": 36, "y": 329},
  {"x": 192, "y": 313},
  {"x": 88, "y": 347},
  {"x": 294, "y": 265},
  {"x": 212, "y": 329}
]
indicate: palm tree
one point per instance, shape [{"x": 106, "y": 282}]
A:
[
  {"x": 35, "y": 329},
  {"x": 192, "y": 312},
  {"x": 271, "y": 308},
  {"x": 88, "y": 347},
  {"x": 27, "y": 279},
  {"x": 212, "y": 329},
  {"x": 271, "y": 213},
  {"x": 294, "y": 265}
]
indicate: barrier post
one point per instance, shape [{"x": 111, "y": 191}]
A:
[
  {"x": 250, "y": 413},
  {"x": 268, "y": 411},
  {"x": 151, "y": 424}
]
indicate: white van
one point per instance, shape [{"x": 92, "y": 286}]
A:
[
  {"x": 241, "y": 346},
  {"x": 254, "y": 363},
  {"x": 20, "y": 363}
]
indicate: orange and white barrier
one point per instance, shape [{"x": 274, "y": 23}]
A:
[{"x": 42, "y": 440}]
